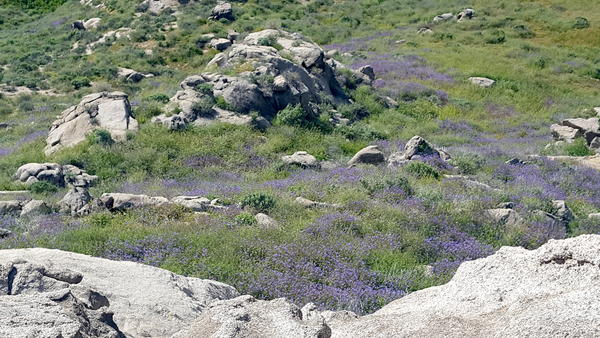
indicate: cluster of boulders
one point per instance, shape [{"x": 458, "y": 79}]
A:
[
  {"x": 417, "y": 148},
  {"x": 100, "y": 111},
  {"x": 156, "y": 7},
  {"x": 551, "y": 291},
  {"x": 466, "y": 14},
  {"x": 223, "y": 10},
  {"x": 283, "y": 69},
  {"x": 59, "y": 175},
  {"x": 122, "y": 202},
  {"x": 569, "y": 130},
  {"x": 505, "y": 214}
]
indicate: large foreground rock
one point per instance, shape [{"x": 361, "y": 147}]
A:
[
  {"x": 106, "y": 111},
  {"x": 549, "y": 292},
  {"x": 417, "y": 148},
  {"x": 140, "y": 301},
  {"x": 246, "y": 317}
]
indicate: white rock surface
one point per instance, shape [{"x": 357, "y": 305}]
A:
[
  {"x": 482, "y": 81},
  {"x": 146, "y": 301},
  {"x": 246, "y": 317},
  {"x": 367, "y": 155},
  {"x": 107, "y": 111},
  {"x": 302, "y": 159},
  {"x": 549, "y": 292}
]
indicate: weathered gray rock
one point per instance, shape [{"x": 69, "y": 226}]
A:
[
  {"x": 11, "y": 208},
  {"x": 466, "y": 14},
  {"x": 305, "y": 202},
  {"x": 482, "y": 81},
  {"x": 265, "y": 221},
  {"x": 505, "y": 216},
  {"x": 443, "y": 17},
  {"x": 565, "y": 133},
  {"x": 245, "y": 317},
  {"x": 121, "y": 202},
  {"x": 158, "y": 6},
  {"x": 562, "y": 212},
  {"x": 220, "y": 44},
  {"x": 595, "y": 144},
  {"x": 223, "y": 10},
  {"x": 417, "y": 148},
  {"x": 5, "y": 233},
  {"x": 131, "y": 75},
  {"x": 54, "y": 173},
  {"x": 548, "y": 292},
  {"x": 302, "y": 159},
  {"x": 368, "y": 71},
  {"x": 145, "y": 301},
  {"x": 76, "y": 202},
  {"x": 296, "y": 74},
  {"x": 92, "y": 23},
  {"x": 35, "y": 208},
  {"x": 106, "y": 111},
  {"x": 37, "y": 301},
  {"x": 197, "y": 203},
  {"x": 584, "y": 125},
  {"x": 368, "y": 155}
]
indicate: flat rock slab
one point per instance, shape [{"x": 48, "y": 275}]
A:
[
  {"x": 549, "y": 292},
  {"x": 146, "y": 301}
]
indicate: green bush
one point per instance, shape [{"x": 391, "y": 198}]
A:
[
  {"x": 374, "y": 185},
  {"x": 162, "y": 98},
  {"x": 581, "y": 23},
  {"x": 353, "y": 112},
  {"x": 204, "y": 107},
  {"x": 43, "y": 187},
  {"x": 524, "y": 32},
  {"x": 295, "y": 116},
  {"x": 260, "y": 202},
  {"x": 101, "y": 137},
  {"x": 245, "y": 219},
  {"x": 421, "y": 170},
  {"x": 360, "y": 131},
  {"x": 578, "y": 148},
  {"x": 495, "y": 37},
  {"x": 468, "y": 164},
  {"x": 80, "y": 82}
]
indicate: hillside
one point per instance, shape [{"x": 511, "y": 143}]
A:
[{"x": 167, "y": 133}]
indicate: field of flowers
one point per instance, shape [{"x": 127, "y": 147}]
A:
[{"x": 398, "y": 230}]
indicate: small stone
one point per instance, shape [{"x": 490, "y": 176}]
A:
[
  {"x": 482, "y": 82},
  {"x": 368, "y": 155},
  {"x": 565, "y": 133},
  {"x": 302, "y": 159},
  {"x": 266, "y": 222},
  {"x": 220, "y": 44}
]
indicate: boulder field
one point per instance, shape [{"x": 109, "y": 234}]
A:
[{"x": 549, "y": 292}]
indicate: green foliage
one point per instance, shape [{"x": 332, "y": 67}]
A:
[
  {"x": 245, "y": 219},
  {"x": 495, "y": 37},
  {"x": 101, "y": 137},
  {"x": 34, "y": 6},
  {"x": 80, "y": 82},
  {"x": 373, "y": 185},
  {"x": 204, "y": 107},
  {"x": 43, "y": 187},
  {"x": 468, "y": 164},
  {"x": 162, "y": 98},
  {"x": 421, "y": 170},
  {"x": 581, "y": 23},
  {"x": 360, "y": 131},
  {"x": 578, "y": 148},
  {"x": 295, "y": 116},
  {"x": 260, "y": 202}
]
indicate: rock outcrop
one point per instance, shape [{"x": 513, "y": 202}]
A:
[
  {"x": 52, "y": 293},
  {"x": 571, "y": 129},
  {"x": 301, "y": 159},
  {"x": 245, "y": 316},
  {"x": 131, "y": 75},
  {"x": 121, "y": 202},
  {"x": 548, "y": 292},
  {"x": 46, "y": 301},
  {"x": 76, "y": 202},
  {"x": 368, "y": 155},
  {"x": 106, "y": 111},
  {"x": 222, "y": 10},
  {"x": 60, "y": 175},
  {"x": 297, "y": 72},
  {"x": 417, "y": 148},
  {"x": 158, "y": 6}
]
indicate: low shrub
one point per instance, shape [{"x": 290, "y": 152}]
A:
[
  {"x": 43, "y": 187},
  {"x": 260, "y": 202},
  {"x": 421, "y": 170}
]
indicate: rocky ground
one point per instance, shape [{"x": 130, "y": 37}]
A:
[{"x": 546, "y": 292}]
